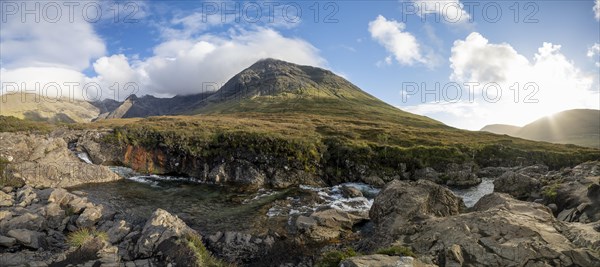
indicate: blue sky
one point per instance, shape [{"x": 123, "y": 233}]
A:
[{"x": 550, "y": 48}]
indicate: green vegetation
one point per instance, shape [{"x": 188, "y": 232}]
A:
[
  {"x": 334, "y": 257},
  {"x": 12, "y": 124},
  {"x": 333, "y": 144},
  {"x": 397, "y": 251},
  {"x": 203, "y": 257},
  {"x": 84, "y": 235},
  {"x": 551, "y": 191}
]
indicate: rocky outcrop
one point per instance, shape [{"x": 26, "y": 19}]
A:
[
  {"x": 455, "y": 175},
  {"x": 160, "y": 227},
  {"x": 401, "y": 202},
  {"x": 575, "y": 193},
  {"x": 240, "y": 247},
  {"x": 327, "y": 224},
  {"x": 500, "y": 231},
  {"x": 517, "y": 184},
  {"x": 42, "y": 161},
  {"x": 378, "y": 260},
  {"x": 36, "y": 233}
]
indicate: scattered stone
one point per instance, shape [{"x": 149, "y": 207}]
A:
[
  {"x": 29, "y": 221},
  {"x": 26, "y": 196},
  {"x": 350, "y": 192},
  {"x": 28, "y": 238},
  {"x": 6, "y": 200},
  {"x": 7, "y": 241},
  {"x": 160, "y": 227}
]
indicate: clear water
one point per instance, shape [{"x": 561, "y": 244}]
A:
[
  {"x": 211, "y": 208},
  {"x": 207, "y": 208},
  {"x": 472, "y": 194}
]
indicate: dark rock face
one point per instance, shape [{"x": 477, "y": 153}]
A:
[
  {"x": 240, "y": 247},
  {"x": 575, "y": 192},
  {"x": 499, "y": 231},
  {"x": 517, "y": 184}
]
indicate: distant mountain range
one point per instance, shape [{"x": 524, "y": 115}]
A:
[
  {"x": 274, "y": 86},
  {"x": 268, "y": 86},
  {"x": 577, "y": 126}
]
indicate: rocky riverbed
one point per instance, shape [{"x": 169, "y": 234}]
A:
[{"x": 466, "y": 216}]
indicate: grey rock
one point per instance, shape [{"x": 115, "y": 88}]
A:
[
  {"x": 517, "y": 185},
  {"x": 6, "y": 199},
  {"x": 30, "y": 221},
  {"x": 403, "y": 200},
  {"x": 350, "y": 192},
  {"x": 28, "y": 238},
  {"x": 25, "y": 196},
  {"x": 7, "y": 241},
  {"x": 43, "y": 161},
  {"x": 461, "y": 175},
  {"x": 90, "y": 216},
  {"x": 118, "y": 231},
  {"x": 485, "y": 236},
  {"x": 160, "y": 227},
  {"x": 55, "y": 216},
  {"x": 553, "y": 207},
  {"x": 378, "y": 260}
]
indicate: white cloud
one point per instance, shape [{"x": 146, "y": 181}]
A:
[
  {"x": 597, "y": 10},
  {"x": 451, "y": 11},
  {"x": 390, "y": 34},
  {"x": 48, "y": 43},
  {"x": 594, "y": 51},
  {"x": 60, "y": 52},
  {"x": 184, "y": 66},
  {"x": 474, "y": 59},
  {"x": 560, "y": 85}
]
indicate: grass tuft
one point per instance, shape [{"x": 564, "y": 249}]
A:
[
  {"x": 203, "y": 257},
  {"x": 85, "y": 235},
  {"x": 334, "y": 257}
]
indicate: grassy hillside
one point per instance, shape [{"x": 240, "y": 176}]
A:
[
  {"x": 577, "y": 126},
  {"x": 501, "y": 129},
  {"x": 47, "y": 109},
  {"x": 322, "y": 141}
]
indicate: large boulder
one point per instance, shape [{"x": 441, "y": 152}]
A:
[
  {"x": 42, "y": 161},
  {"x": 378, "y": 260},
  {"x": 161, "y": 226},
  {"x": 461, "y": 175},
  {"x": 517, "y": 184},
  {"x": 403, "y": 201},
  {"x": 328, "y": 224}
]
